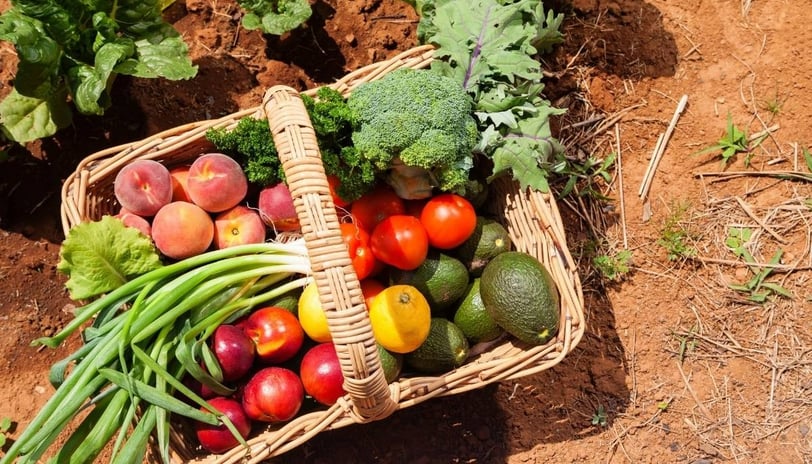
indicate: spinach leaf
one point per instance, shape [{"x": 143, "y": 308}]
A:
[{"x": 70, "y": 53}]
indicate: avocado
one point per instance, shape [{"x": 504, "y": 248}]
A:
[
  {"x": 391, "y": 363},
  {"x": 445, "y": 349},
  {"x": 489, "y": 239},
  {"x": 441, "y": 278},
  {"x": 471, "y": 316},
  {"x": 520, "y": 295}
]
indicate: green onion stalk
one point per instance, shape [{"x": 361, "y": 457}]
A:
[{"x": 141, "y": 340}]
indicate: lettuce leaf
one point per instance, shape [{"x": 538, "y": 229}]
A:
[{"x": 102, "y": 255}]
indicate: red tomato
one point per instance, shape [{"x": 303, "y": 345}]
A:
[
  {"x": 357, "y": 241},
  {"x": 400, "y": 241},
  {"x": 376, "y": 205},
  {"x": 370, "y": 288},
  {"x": 449, "y": 220},
  {"x": 337, "y": 200}
]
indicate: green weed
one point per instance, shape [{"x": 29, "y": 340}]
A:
[
  {"x": 614, "y": 267},
  {"x": 734, "y": 141},
  {"x": 600, "y": 417},
  {"x": 757, "y": 288},
  {"x": 582, "y": 178},
  {"x": 674, "y": 236}
]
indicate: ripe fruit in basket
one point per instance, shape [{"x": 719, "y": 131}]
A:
[
  {"x": 400, "y": 318},
  {"x": 311, "y": 315},
  {"x": 521, "y": 296},
  {"x": 180, "y": 191},
  {"x": 375, "y": 206},
  {"x": 357, "y": 241},
  {"x": 445, "y": 349},
  {"x": 488, "y": 240},
  {"x": 235, "y": 351},
  {"x": 216, "y": 182},
  {"x": 400, "y": 241},
  {"x": 239, "y": 225},
  {"x": 277, "y": 333},
  {"x": 218, "y": 438},
  {"x": 391, "y": 363},
  {"x": 440, "y": 278},
  {"x": 370, "y": 288},
  {"x": 449, "y": 220},
  {"x": 273, "y": 394},
  {"x": 143, "y": 187},
  {"x": 276, "y": 208},
  {"x": 321, "y": 374},
  {"x": 472, "y": 317},
  {"x": 131, "y": 219},
  {"x": 181, "y": 230}
]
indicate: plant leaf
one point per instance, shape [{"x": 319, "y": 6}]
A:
[
  {"x": 100, "y": 256},
  {"x": 275, "y": 17},
  {"x": 29, "y": 118}
]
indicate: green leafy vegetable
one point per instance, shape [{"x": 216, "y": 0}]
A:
[
  {"x": 251, "y": 144},
  {"x": 275, "y": 16},
  {"x": 334, "y": 121},
  {"x": 490, "y": 47},
  {"x": 103, "y": 255},
  {"x": 70, "y": 53},
  {"x": 417, "y": 126}
]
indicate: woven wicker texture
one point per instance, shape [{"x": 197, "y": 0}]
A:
[{"x": 531, "y": 217}]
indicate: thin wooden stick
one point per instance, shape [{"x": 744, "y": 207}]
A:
[
  {"x": 758, "y": 220},
  {"x": 620, "y": 187},
  {"x": 660, "y": 149}
]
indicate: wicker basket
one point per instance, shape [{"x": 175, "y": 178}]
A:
[{"x": 532, "y": 219}]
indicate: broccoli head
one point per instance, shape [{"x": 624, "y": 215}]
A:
[{"x": 416, "y": 119}]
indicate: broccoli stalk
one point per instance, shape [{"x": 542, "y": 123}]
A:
[{"x": 417, "y": 127}]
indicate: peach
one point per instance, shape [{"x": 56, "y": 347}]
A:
[
  {"x": 216, "y": 182},
  {"x": 179, "y": 190},
  {"x": 181, "y": 230},
  {"x": 143, "y": 187},
  {"x": 131, "y": 219},
  {"x": 238, "y": 226}
]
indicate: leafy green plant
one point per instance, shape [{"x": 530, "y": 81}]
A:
[
  {"x": 70, "y": 52},
  {"x": 674, "y": 236},
  {"x": 757, "y": 288},
  {"x": 275, "y": 16},
  {"x": 733, "y": 142},
  {"x": 5, "y": 429},
  {"x": 584, "y": 177},
  {"x": 600, "y": 417},
  {"x": 491, "y": 48},
  {"x": 613, "y": 267}
]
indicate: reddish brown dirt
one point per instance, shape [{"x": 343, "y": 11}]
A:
[{"x": 685, "y": 370}]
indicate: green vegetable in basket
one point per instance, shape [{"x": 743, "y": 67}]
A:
[
  {"x": 128, "y": 369},
  {"x": 491, "y": 48},
  {"x": 417, "y": 125},
  {"x": 102, "y": 255}
]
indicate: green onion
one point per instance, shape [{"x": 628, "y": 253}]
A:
[{"x": 134, "y": 361}]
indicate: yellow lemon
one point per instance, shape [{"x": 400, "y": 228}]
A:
[
  {"x": 311, "y": 315},
  {"x": 400, "y": 317}
]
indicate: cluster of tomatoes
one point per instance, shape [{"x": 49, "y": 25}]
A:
[{"x": 381, "y": 229}]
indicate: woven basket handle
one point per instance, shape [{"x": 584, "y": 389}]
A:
[{"x": 339, "y": 288}]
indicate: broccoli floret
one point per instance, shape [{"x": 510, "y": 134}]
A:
[{"x": 416, "y": 119}]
